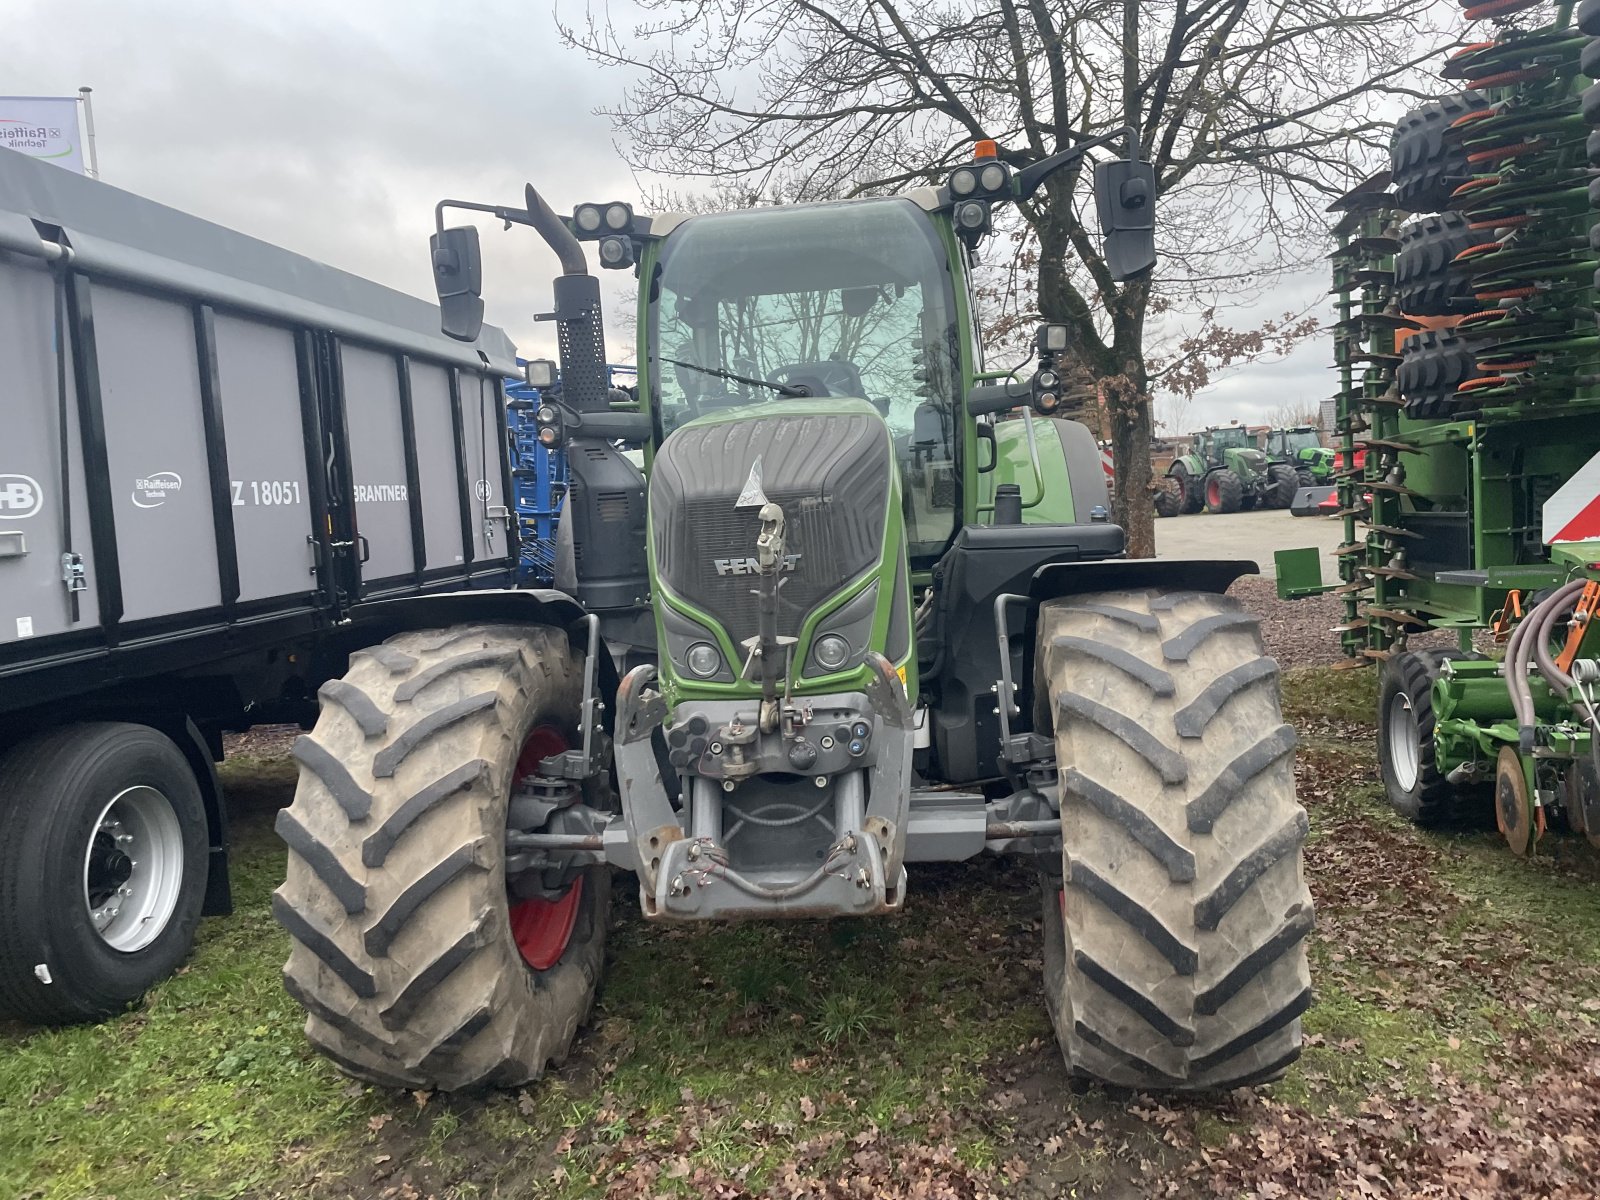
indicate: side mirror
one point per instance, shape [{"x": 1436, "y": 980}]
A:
[
  {"x": 1125, "y": 194},
  {"x": 458, "y": 278},
  {"x": 998, "y": 397}
]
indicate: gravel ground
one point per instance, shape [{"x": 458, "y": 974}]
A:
[{"x": 1297, "y": 631}]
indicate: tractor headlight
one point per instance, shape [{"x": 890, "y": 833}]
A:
[
  {"x": 616, "y": 252},
  {"x": 972, "y": 215},
  {"x": 964, "y": 182},
  {"x": 587, "y": 218},
  {"x": 703, "y": 659},
  {"x": 618, "y": 217},
  {"x": 831, "y": 651},
  {"x": 993, "y": 177}
]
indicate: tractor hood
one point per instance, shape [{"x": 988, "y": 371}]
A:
[{"x": 828, "y": 463}]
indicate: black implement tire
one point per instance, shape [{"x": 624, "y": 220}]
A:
[
  {"x": 1223, "y": 492},
  {"x": 1169, "y": 497},
  {"x": 1174, "y": 952},
  {"x": 402, "y": 948},
  {"x": 1428, "y": 164},
  {"x": 1411, "y": 778},
  {"x": 1433, "y": 365},
  {"x": 1305, "y": 478},
  {"x": 72, "y": 802},
  {"x": 1285, "y": 482},
  {"x": 1588, "y": 18},
  {"x": 1188, "y": 489},
  {"x": 1426, "y": 285}
]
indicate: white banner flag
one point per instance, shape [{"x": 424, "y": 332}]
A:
[{"x": 43, "y": 127}]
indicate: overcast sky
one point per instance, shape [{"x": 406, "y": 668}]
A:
[{"x": 332, "y": 128}]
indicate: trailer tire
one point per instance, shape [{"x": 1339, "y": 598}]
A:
[
  {"x": 72, "y": 801},
  {"x": 1174, "y": 954},
  {"x": 1416, "y": 789},
  {"x": 403, "y": 951}
]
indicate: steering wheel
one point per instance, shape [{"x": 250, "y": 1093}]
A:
[{"x": 824, "y": 377}]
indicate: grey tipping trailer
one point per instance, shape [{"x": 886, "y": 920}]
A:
[{"x": 223, "y": 467}]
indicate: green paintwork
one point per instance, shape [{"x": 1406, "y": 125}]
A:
[
  {"x": 1299, "y": 573},
  {"x": 1047, "y": 492},
  {"x": 676, "y": 687}
]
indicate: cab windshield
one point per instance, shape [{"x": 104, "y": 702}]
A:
[
  {"x": 851, "y": 299},
  {"x": 1303, "y": 439},
  {"x": 1230, "y": 439}
]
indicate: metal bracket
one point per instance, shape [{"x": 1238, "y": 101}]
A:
[
  {"x": 13, "y": 543},
  {"x": 73, "y": 573}
]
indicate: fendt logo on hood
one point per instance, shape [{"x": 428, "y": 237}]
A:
[
  {"x": 749, "y": 566},
  {"x": 20, "y": 496},
  {"x": 152, "y": 491}
]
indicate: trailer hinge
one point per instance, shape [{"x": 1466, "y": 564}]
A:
[{"x": 73, "y": 573}]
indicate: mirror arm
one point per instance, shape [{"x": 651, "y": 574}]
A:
[
  {"x": 511, "y": 216},
  {"x": 1030, "y": 177}
]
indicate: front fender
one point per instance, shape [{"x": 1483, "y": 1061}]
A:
[{"x": 1054, "y": 580}]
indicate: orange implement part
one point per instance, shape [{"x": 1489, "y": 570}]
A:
[
  {"x": 1476, "y": 185},
  {"x": 1502, "y": 621},
  {"x": 1582, "y": 613},
  {"x": 1496, "y": 8},
  {"x": 1477, "y": 114},
  {"x": 1485, "y": 381},
  {"x": 1503, "y": 222},
  {"x": 1521, "y": 293},
  {"x": 1507, "y": 78},
  {"x": 1477, "y": 251},
  {"x": 1498, "y": 152}
]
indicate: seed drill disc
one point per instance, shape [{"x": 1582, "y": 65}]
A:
[
  {"x": 1583, "y": 800},
  {"x": 1513, "y": 807}
]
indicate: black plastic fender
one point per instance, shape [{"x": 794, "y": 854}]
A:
[{"x": 1056, "y": 579}]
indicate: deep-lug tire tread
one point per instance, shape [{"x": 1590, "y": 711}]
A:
[
  {"x": 1426, "y": 284},
  {"x": 1427, "y": 162},
  {"x": 1177, "y": 959},
  {"x": 402, "y": 953}
]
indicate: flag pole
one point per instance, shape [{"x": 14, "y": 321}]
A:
[{"x": 88, "y": 129}]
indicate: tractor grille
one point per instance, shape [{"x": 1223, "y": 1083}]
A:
[{"x": 830, "y": 475}]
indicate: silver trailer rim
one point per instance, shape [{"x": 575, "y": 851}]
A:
[
  {"x": 133, "y": 868},
  {"x": 1405, "y": 755}
]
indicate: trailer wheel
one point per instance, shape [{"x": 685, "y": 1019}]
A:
[
  {"x": 415, "y": 965},
  {"x": 103, "y": 863},
  {"x": 1223, "y": 492},
  {"x": 1175, "y": 939},
  {"x": 1417, "y": 790}
]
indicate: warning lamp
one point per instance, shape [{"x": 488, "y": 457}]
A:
[{"x": 548, "y": 418}]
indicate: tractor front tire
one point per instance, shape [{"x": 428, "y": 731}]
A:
[
  {"x": 1223, "y": 492},
  {"x": 403, "y": 951},
  {"x": 1415, "y": 786},
  {"x": 1285, "y": 482},
  {"x": 1174, "y": 954}
]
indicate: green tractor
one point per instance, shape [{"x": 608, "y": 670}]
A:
[
  {"x": 1223, "y": 473},
  {"x": 1302, "y": 449},
  {"x": 844, "y": 621}
]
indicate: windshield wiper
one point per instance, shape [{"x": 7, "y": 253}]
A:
[{"x": 783, "y": 389}]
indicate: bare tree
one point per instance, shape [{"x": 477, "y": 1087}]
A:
[
  {"x": 1254, "y": 111},
  {"x": 1295, "y": 413}
]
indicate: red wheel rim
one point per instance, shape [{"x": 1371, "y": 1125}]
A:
[
  {"x": 542, "y": 928},
  {"x": 1214, "y": 494}
]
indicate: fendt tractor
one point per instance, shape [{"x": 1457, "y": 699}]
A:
[
  {"x": 1225, "y": 472},
  {"x": 843, "y": 621},
  {"x": 1302, "y": 449},
  {"x": 1468, "y": 364}
]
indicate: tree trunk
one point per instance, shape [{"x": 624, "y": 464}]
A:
[{"x": 1133, "y": 507}]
